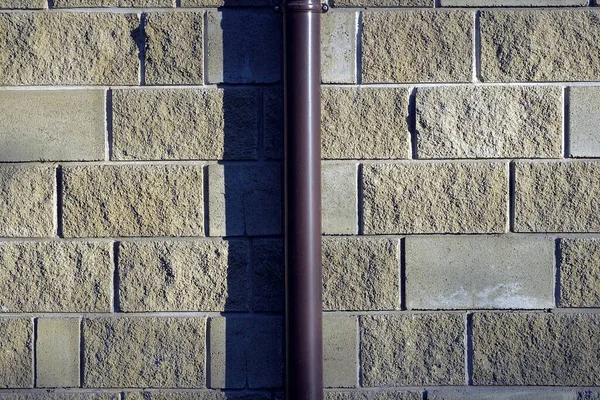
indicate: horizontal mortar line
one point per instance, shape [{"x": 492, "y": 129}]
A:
[
  {"x": 464, "y": 84},
  {"x": 480, "y": 160},
  {"x": 214, "y": 86},
  {"x": 200, "y": 163},
  {"x": 505, "y": 235},
  {"x": 132, "y": 10},
  {"x": 130, "y": 389},
  {"x": 146, "y": 314},
  {"x": 131, "y": 239}
]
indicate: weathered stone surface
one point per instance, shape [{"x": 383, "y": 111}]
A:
[
  {"x": 579, "y": 273},
  {"x": 57, "y": 125},
  {"x": 536, "y": 349},
  {"x": 57, "y": 352},
  {"x": 469, "y": 197},
  {"x": 238, "y": 52},
  {"x": 246, "y": 351},
  {"x": 396, "y": 395},
  {"x": 338, "y": 47},
  {"x": 27, "y": 191},
  {"x": 23, "y": 4},
  {"x": 368, "y": 123},
  {"x": 268, "y": 273},
  {"x": 174, "y": 52},
  {"x": 244, "y": 200},
  {"x": 489, "y": 122},
  {"x": 167, "y": 124},
  {"x": 361, "y": 274},
  {"x": 133, "y": 200},
  {"x": 539, "y": 45},
  {"x": 55, "y": 276},
  {"x": 48, "y": 395},
  {"x": 501, "y": 394},
  {"x": 588, "y": 395},
  {"x": 197, "y": 395},
  {"x": 144, "y": 352},
  {"x": 417, "y": 46},
  {"x": 512, "y": 3},
  {"x": 225, "y": 3},
  {"x": 469, "y": 272},
  {"x": 340, "y": 336},
  {"x": 273, "y": 123},
  {"x": 371, "y": 395},
  {"x": 421, "y": 349},
  {"x": 382, "y": 3},
  {"x": 583, "y": 121},
  {"x": 16, "y": 353},
  {"x": 183, "y": 276},
  {"x": 557, "y": 196},
  {"x": 339, "y": 196},
  {"x": 110, "y": 3},
  {"x": 68, "y": 49}
]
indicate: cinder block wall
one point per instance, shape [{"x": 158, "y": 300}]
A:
[{"x": 140, "y": 200}]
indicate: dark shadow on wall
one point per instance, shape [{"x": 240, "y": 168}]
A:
[{"x": 246, "y": 345}]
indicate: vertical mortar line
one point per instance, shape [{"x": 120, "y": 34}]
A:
[
  {"x": 47, "y": 4},
  {"x": 565, "y": 126},
  {"x": 205, "y": 48},
  {"x": 108, "y": 101},
  {"x": 205, "y": 194},
  {"x": 207, "y": 352},
  {"x": 142, "y": 48},
  {"x": 412, "y": 122},
  {"x": 359, "y": 18},
  {"x": 34, "y": 350},
  {"x": 59, "y": 202},
  {"x": 511, "y": 196},
  {"x": 424, "y": 395},
  {"x": 402, "y": 275},
  {"x": 115, "y": 300},
  {"x": 476, "y": 48},
  {"x": 437, "y": 4},
  {"x": 469, "y": 349},
  {"x": 557, "y": 264},
  {"x": 360, "y": 200}
]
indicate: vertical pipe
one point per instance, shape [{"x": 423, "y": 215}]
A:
[{"x": 302, "y": 177}]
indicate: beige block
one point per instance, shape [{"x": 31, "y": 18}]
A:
[
  {"x": 16, "y": 352},
  {"x": 39, "y": 4},
  {"x": 110, "y": 3},
  {"x": 435, "y": 197},
  {"x": 340, "y": 351},
  {"x": 196, "y": 395},
  {"x": 68, "y": 49},
  {"x": 339, "y": 199},
  {"x": 144, "y": 352},
  {"x": 512, "y": 3},
  {"x": 27, "y": 191},
  {"x": 372, "y": 395},
  {"x": 49, "y": 395},
  {"x": 417, "y": 46},
  {"x": 579, "y": 273},
  {"x": 583, "y": 121},
  {"x": 383, "y": 3},
  {"x": 57, "y": 352},
  {"x": 338, "y": 47},
  {"x": 132, "y": 200}
]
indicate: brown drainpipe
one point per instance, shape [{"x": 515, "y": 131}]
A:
[{"x": 302, "y": 181}]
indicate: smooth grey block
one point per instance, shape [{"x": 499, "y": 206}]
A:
[{"x": 584, "y": 121}]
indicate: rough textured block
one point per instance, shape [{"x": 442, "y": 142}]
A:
[
  {"x": 500, "y": 394},
  {"x": 588, "y": 395},
  {"x": 382, "y": 3},
  {"x": 583, "y": 121},
  {"x": 49, "y": 395},
  {"x": 479, "y": 272},
  {"x": 339, "y": 199},
  {"x": 197, "y": 395},
  {"x": 174, "y": 52},
  {"x": 338, "y": 47},
  {"x": 361, "y": 274},
  {"x": 167, "y": 124},
  {"x": 489, "y": 122},
  {"x": 579, "y": 273},
  {"x": 417, "y": 46},
  {"x": 144, "y": 352},
  {"x": 273, "y": 122},
  {"x": 183, "y": 276},
  {"x": 268, "y": 275},
  {"x": 59, "y": 125},
  {"x": 246, "y": 351},
  {"x": 225, "y": 3},
  {"x": 365, "y": 123},
  {"x": 57, "y": 352},
  {"x": 27, "y": 191},
  {"x": 110, "y": 3},
  {"x": 244, "y": 200},
  {"x": 557, "y": 197},
  {"x": 536, "y": 349},
  {"x": 403, "y": 350},
  {"x": 512, "y": 3},
  {"x": 133, "y": 200},
  {"x": 340, "y": 347},
  {"x": 16, "y": 353},
  {"x": 238, "y": 52},
  {"x": 435, "y": 198},
  {"x": 39, "y": 4},
  {"x": 539, "y": 46},
  {"x": 55, "y": 277},
  {"x": 68, "y": 49},
  {"x": 373, "y": 395}
]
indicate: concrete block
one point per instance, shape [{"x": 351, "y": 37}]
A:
[
  {"x": 174, "y": 53},
  {"x": 55, "y": 276},
  {"x": 583, "y": 121},
  {"x": 339, "y": 199},
  {"x": 245, "y": 351},
  {"x": 501, "y": 394},
  {"x": 196, "y": 395},
  {"x": 68, "y": 49},
  {"x": 512, "y": 3},
  {"x": 268, "y": 275},
  {"x": 132, "y": 200},
  {"x": 50, "y": 395},
  {"x": 382, "y": 3},
  {"x": 179, "y": 124},
  {"x": 340, "y": 350},
  {"x": 16, "y": 352},
  {"x": 244, "y": 46},
  {"x": 364, "y": 123},
  {"x": 52, "y": 125},
  {"x": 536, "y": 349},
  {"x": 244, "y": 200},
  {"x": 373, "y": 395},
  {"x": 144, "y": 352},
  {"x": 27, "y": 191},
  {"x": 557, "y": 196},
  {"x": 273, "y": 123},
  {"x": 23, "y": 4},
  {"x": 449, "y": 197},
  {"x": 415, "y": 350},
  {"x": 183, "y": 276},
  {"x": 417, "y": 46},
  {"x": 489, "y": 122},
  {"x": 225, "y": 3},
  {"x": 469, "y": 272},
  {"x": 539, "y": 45},
  {"x": 338, "y": 47},
  {"x": 110, "y": 3},
  {"x": 579, "y": 273},
  {"x": 57, "y": 352}
]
